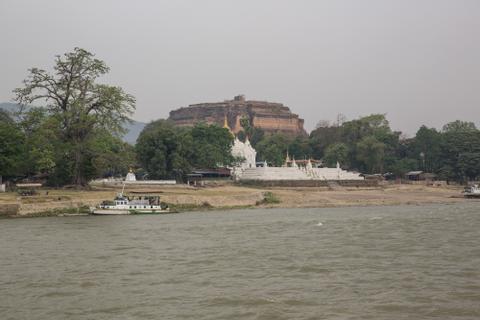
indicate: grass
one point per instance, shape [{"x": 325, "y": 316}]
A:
[
  {"x": 182, "y": 207},
  {"x": 60, "y": 211},
  {"x": 268, "y": 198}
]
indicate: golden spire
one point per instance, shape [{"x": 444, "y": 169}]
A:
[
  {"x": 226, "y": 126},
  {"x": 225, "y": 123}
]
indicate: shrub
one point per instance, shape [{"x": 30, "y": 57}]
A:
[{"x": 268, "y": 198}]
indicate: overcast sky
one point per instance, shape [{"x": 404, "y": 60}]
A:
[{"x": 416, "y": 60}]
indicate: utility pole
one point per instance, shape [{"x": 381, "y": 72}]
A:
[{"x": 422, "y": 155}]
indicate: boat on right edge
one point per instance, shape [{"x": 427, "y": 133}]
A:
[{"x": 472, "y": 191}]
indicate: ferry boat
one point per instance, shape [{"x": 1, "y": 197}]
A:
[
  {"x": 472, "y": 191},
  {"x": 136, "y": 204}
]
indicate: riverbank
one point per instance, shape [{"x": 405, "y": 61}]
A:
[{"x": 54, "y": 202}]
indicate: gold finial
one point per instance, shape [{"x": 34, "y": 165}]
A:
[
  {"x": 225, "y": 123},
  {"x": 226, "y": 126}
]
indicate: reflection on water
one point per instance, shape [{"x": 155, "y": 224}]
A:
[{"x": 408, "y": 262}]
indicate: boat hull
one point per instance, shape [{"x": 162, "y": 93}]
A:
[
  {"x": 127, "y": 212},
  {"x": 471, "y": 195}
]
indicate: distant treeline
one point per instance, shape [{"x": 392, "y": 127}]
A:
[
  {"x": 367, "y": 145},
  {"x": 76, "y": 137},
  {"x": 33, "y": 145}
]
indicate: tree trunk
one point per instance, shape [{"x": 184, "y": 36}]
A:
[{"x": 79, "y": 177}]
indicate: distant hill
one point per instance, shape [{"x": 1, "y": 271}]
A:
[
  {"x": 8, "y": 106},
  {"x": 133, "y": 129}
]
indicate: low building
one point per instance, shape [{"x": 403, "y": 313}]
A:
[{"x": 420, "y": 176}]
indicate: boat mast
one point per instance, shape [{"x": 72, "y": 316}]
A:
[{"x": 123, "y": 188}]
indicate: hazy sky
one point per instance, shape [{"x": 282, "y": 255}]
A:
[{"x": 416, "y": 60}]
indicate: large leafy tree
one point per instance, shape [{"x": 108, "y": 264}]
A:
[
  {"x": 322, "y": 137},
  {"x": 159, "y": 150},
  {"x": 337, "y": 152},
  {"x": 273, "y": 148},
  {"x": 426, "y": 149},
  {"x": 459, "y": 126},
  {"x": 166, "y": 151},
  {"x": 211, "y": 147},
  {"x": 41, "y": 141},
  {"x": 12, "y": 146},
  {"x": 79, "y": 103},
  {"x": 371, "y": 152},
  {"x": 460, "y": 151},
  {"x": 254, "y": 134}
]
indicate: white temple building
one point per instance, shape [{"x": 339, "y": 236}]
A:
[
  {"x": 247, "y": 169},
  {"x": 296, "y": 172},
  {"x": 245, "y": 151}
]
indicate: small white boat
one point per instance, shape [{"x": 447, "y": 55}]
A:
[
  {"x": 137, "y": 204},
  {"x": 472, "y": 191}
]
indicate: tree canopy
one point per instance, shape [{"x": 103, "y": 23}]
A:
[
  {"x": 166, "y": 151},
  {"x": 79, "y": 105}
]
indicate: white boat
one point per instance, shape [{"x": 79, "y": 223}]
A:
[
  {"x": 472, "y": 191},
  {"x": 136, "y": 204}
]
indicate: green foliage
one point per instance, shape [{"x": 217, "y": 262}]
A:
[
  {"x": 337, "y": 152},
  {"x": 300, "y": 148},
  {"x": 321, "y": 138},
  {"x": 370, "y": 153},
  {"x": 469, "y": 165},
  {"x": 12, "y": 147},
  {"x": 109, "y": 155},
  {"x": 255, "y": 135},
  {"x": 166, "y": 151},
  {"x": 426, "y": 149},
  {"x": 211, "y": 146},
  {"x": 36, "y": 145},
  {"x": 268, "y": 198},
  {"x": 459, "y": 150},
  {"x": 401, "y": 166},
  {"x": 459, "y": 126},
  {"x": 273, "y": 149},
  {"x": 79, "y": 106},
  {"x": 42, "y": 137}
]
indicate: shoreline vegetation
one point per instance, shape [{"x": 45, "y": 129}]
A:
[{"x": 227, "y": 196}]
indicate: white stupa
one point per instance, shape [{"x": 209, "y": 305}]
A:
[
  {"x": 243, "y": 150},
  {"x": 130, "y": 176}
]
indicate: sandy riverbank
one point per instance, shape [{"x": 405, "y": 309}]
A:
[{"x": 231, "y": 196}]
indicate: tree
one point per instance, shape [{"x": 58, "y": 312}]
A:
[
  {"x": 211, "y": 147},
  {"x": 337, "y": 152},
  {"x": 459, "y": 150},
  {"x": 300, "y": 148},
  {"x": 12, "y": 147},
  {"x": 254, "y": 134},
  {"x": 428, "y": 143},
  {"x": 273, "y": 148},
  {"x": 321, "y": 138},
  {"x": 371, "y": 153},
  {"x": 159, "y": 150},
  {"x": 79, "y": 104},
  {"x": 166, "y": 151},
  {"x": 322, "y": 124},
  {"x": 469, "y": 165},
  {"x": 41, "y": 141},
  {"x": 457, "y": 126},
  {"x": 109, "y": 155}
]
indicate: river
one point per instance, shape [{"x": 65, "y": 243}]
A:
[{"x": 399, "y": 262}]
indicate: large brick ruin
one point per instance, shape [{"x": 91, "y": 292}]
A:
[{"x": 268, "y": 116}]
